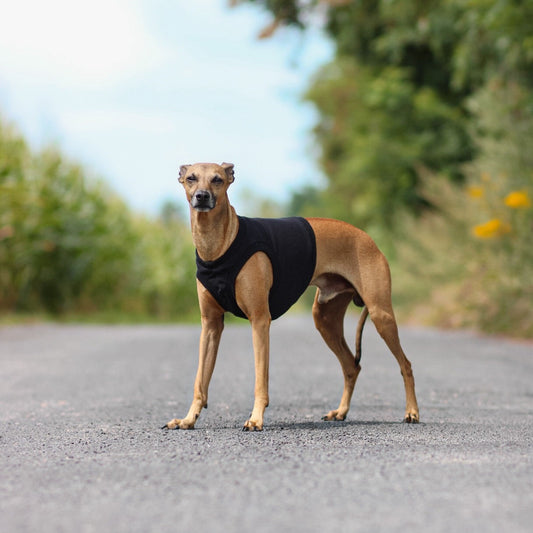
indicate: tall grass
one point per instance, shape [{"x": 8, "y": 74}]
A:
[
  {"x": 68, "y": 244},
  {"x": 469, "y": 262}
]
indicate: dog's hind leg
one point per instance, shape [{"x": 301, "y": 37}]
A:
[
  {"x": 378, "y": 300},
  {"x": 386, "y": 325},
  {"x": 329, "y": 320},
  {"x": 376, "y": 280}
]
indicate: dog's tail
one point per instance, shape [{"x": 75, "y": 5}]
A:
[{"x": 359, "y": 334}]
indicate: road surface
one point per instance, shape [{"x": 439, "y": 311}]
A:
[{"x": 81, "y": 447}]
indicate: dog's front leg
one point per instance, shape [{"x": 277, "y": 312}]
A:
[
  {"x": 252, "y": 288},
  {"x": 212, "y": 326},
  {"x": 261, "y": 343}
]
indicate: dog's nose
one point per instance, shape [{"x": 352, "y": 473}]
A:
[{"x": 202, "y": 196}]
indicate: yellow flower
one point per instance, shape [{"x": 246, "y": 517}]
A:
[
  {"x": 518, "y": 200},
  {"x": 475, "y": 191},
  {"x": 492, "y": 228}
]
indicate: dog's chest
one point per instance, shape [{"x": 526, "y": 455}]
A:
[{"x": 290, "y": 245}]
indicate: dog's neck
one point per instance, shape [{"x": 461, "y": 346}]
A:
[{"x": 214, "y": 231}]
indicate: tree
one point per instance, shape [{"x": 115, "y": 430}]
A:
[
  {"x": 69, "y": 244},
  {"x": 394, "y": 99}
]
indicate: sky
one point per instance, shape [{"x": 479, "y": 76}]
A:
[{"x": 132, "y": 89}]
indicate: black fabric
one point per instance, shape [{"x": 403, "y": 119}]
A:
[{"x": 290, "y": 245}]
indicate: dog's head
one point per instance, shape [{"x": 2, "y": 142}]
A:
[{"x": 204, "y": 183}]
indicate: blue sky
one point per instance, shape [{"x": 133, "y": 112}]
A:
[{"x": 134, "y": 88}]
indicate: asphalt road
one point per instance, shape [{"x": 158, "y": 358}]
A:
[{"x": 81, "y": 447}]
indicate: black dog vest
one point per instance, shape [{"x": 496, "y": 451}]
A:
[{"x": 290, "y": 245}]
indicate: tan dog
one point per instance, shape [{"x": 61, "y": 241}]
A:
[{"x": 349, "y": 267}]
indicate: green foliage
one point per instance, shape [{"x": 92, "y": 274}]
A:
[
  {"x": 470, "y": 262},
  {"x": 376, "y": 133},
  {"x": 393, "y": 102},
  {"x": 495, "y": 38},
  {"x": 424, "y": 135},
  {"x": 68, "y": 244}
]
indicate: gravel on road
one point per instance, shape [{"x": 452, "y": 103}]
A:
[{"x": 82, "y": 450}]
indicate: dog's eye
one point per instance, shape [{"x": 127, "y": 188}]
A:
[
  {"x": 217, "y": 180},
  {"x": 192, "y": 179}
]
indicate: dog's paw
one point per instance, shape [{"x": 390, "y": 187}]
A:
[
  {"x": 251, "y": 425},
  {"x": 178, "y": 424},
  {"x": 411, "y": 418},
  {"x": 335, "y": 415}
]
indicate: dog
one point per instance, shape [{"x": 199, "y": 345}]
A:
[{"x": 342, "y": 261}]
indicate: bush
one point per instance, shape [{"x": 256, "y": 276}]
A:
[
  {"x": 69, "y": 244},
  {"x": 470, "y": 261}
]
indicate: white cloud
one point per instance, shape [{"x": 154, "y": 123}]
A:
[{"x": 74, "y": 43}]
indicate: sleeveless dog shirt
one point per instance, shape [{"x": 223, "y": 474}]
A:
[{"x": 290, "y": 245}]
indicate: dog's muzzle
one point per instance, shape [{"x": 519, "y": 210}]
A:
[{"x": 203, "y": 201}]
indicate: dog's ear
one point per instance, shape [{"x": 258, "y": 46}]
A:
[
  {"x": 183, "y": 171},
  {"x": 228, "y": 167}
]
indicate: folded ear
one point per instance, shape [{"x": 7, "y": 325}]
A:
[
  {"x": 228, "y": 167},
  {"x": 183, "y": 171}
]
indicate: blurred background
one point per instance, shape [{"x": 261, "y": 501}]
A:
[{"x": 411, "y": 120}]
